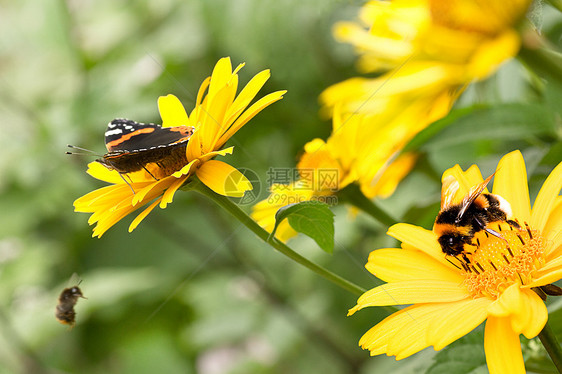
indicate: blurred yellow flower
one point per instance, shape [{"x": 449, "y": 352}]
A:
[
  {"x": 217, "y": 116},
  {"x": 326, "y": 167},
  {"x": 430, "y": 48},
  {"x": 497, "y": 285},
  {"x": 281, "y": 195}
]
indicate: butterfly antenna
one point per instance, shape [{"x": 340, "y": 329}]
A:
[{"x": 84, "y": 151}]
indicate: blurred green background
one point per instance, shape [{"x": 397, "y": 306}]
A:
[{"x": 191, "y": 290}]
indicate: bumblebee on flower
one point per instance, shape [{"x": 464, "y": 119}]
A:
[{"x": 497, "y": 284}]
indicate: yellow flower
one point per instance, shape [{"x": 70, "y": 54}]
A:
[
  {"x": 326, "y": 167},
  {"x": 458, "y": 33},
  {"x": 384, "y": 181},
  {"x": 217, "y": 116},
  {"x": 281, "y": 195},
  {"x": 430, "y": 48},
  {"x": 497, "y": 286}
]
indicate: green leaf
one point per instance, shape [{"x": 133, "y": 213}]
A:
[
  {"x": 461, "y": 359},
  {"x": 312, "y": 218},
  {"x": 464, "y": 356},
  {"x": 501, "y": 122}
]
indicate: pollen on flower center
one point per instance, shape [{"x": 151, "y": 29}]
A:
[{"x": 496, "y": 263}]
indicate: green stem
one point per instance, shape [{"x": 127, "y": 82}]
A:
[
  {"x": 353, "y": 195},
  {"x": 550, "y": 343},
  {"x": 240, "y": 215},
  {"x": 540, "y": 56}
]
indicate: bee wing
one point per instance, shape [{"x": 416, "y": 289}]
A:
[
  {"x": 474, "y": 192},
  {"x": 74, "y": 280},
  {"x": 448, "y": 190}
]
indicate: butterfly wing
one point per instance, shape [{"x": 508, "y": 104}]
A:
[{"x": 125, "y": 135}]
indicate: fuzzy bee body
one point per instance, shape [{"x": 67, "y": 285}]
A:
[
  {"x": 64, "y": 311},
  {"x": 456, "y": 224}
]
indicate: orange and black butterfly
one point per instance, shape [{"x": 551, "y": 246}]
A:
[{"x": 132, "y": 145}]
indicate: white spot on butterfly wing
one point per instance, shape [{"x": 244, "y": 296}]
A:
[{"x": 113, "y": 132}]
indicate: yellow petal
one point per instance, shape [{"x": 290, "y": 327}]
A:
[
  {"x": 170, "y": 191},
  {"x": 410, "y": 292},
  {"x": 238, "y": 68},
  {"x": 546, "y": 277},
  {"x": 383, "y": 47},
  {"x": 456, "y": 321},
  {"x": 220, "y": 76},
  {"x": 200, "y": 95},
  {"x": 172, "y": 111},
  {"x": 509, "y": 302},
  {"x": 153, "y": 189},
  {"x": 466, "y": 180},
  {"x": 82, "y": 204},
  {"x": 403, "y": 333},
  {"x": 284, "y": 231},
  {"x": 246, "y": 95},
  {"x": 553, "y": 227},
  {"x": 532, "y": 317},
  {"x": 104, "y": 198},
  {"x": 109, "y": 218},
  {"x": 502, "y": 347},
  {"x": 392, "y": 265},
  {"x": 418, "y": 237},
  {"x": 391, "y": 176},
  {"x": 491, "y": 54},
  {"x": 223, "y": 179},
  {"x": 212, "y": 117},
  {"x": 98, "y": 171},
  {"x": 222, "y": 152},
  {"x": 194, "y": 148},
  {"x": 554, "y": 254},
  {"x": 264, "y": 212},
  {"x": 188, "y": 169},
  {"x": 464, "y": 184},
  {"x": 250, "y": 113},
  {"x": 511, "y": 183},
  {"x": 142, "y": 216},
  {"x": 525, "y": 308},
  {"x": 546, "y": 198},
  {"x": 473, "y": 175},
  {"x": 552, "y": 264},
  {"x": 314, "y": 145}
]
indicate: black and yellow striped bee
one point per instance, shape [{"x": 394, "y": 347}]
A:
[{"x": 456, "y": 224}]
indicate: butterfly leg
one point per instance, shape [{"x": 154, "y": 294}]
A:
[
  {"x": 149, "y": 173},
  {"x": 128, "y": 184}
]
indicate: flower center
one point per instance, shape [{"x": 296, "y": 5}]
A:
[{"x": 499, "y": 262}]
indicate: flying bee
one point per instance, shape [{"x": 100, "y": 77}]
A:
[
  {"x": 64, "y": 312},
  {"x": 456, "y": 224}
]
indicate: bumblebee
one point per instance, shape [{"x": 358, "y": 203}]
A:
[
  {"x": 456, "y": 224},
  {"x": 64, "y": 312}
]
